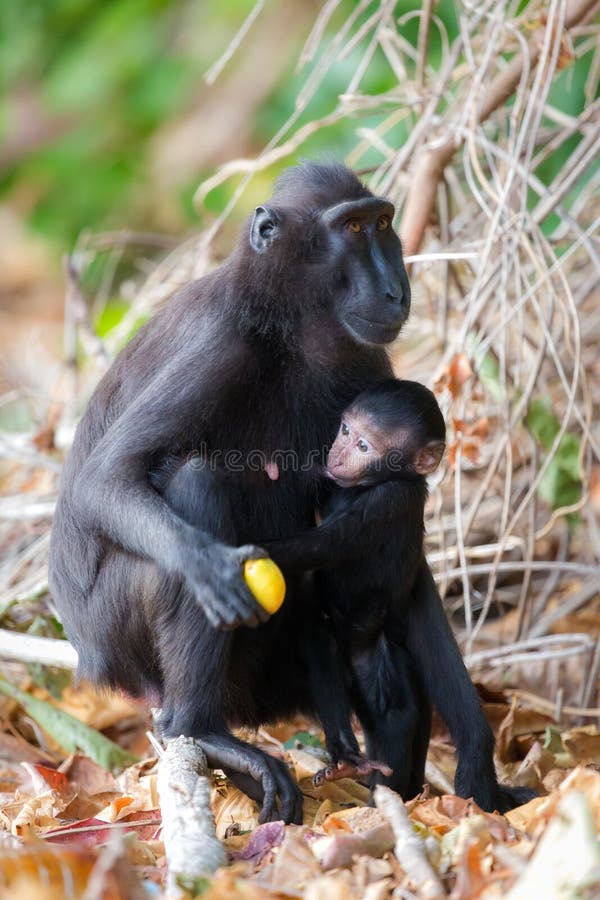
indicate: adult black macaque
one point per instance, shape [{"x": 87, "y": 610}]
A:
[
  {"x": 368, "y": 551},
  {"x": 262, "y": 354}
]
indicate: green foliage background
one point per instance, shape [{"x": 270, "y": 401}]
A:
[{"x": 105, "y": 77}]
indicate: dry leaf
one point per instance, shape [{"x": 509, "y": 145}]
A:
[
  {"x": 455, "y": 375},
  {"x": 470, "y": 449},
  {"x": 329, "y": 887},
  {"x": 583, "y": 744},
  {"x": 534, "y": 767},
  {"x": 262, "y": 841},
  {"x": 41, "y": 872},
  {"x": 586, "y": 781},
  {"x": 477, "y": 429},
  {"x": 295, "y": 864},
  {"x": 471, "y": 879},
  {"x": 442, "y": 814},
  {"x": 88, "y": 775},
  {"x": 338, "y": 850},
  {"x": 229, "y": 806}
]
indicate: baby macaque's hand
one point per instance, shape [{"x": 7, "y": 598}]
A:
[{"x": 356, "y": 768}]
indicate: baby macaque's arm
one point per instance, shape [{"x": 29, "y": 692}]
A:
[
  {"x": 341, "y": 537},
  {"x": 329, "y": 545}
]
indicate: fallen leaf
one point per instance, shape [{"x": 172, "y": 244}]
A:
[
  {"x": 329, "y": 887},
  {"x": 534, "y": 767},
  {"x": 90, "y": 777},
  {"x": 295, "y": 864},
  {"x": 584, "y": 780},
  {"x": 583, "y": 744},
  {"x": 262, "y": 840},
  {"x": 338, "y": 850},
  {"x": 39, "y": 871},
  {"x": 359, "y": 818},
  {"x": 229, "y": 806},
  {"x": 566, "y": 860},
  {"x": 470, "y": 879},
  {"x": 442, "y": 814},
  {"x": 94, "y": 831},
  {"x": 334, "y": 824}
]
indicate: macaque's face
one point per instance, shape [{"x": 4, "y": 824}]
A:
[
  {"x": 358, "y": 446},
  {"x": 364, "y": 453}
]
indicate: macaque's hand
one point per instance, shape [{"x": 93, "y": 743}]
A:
[{"x": 217, "y": 580}]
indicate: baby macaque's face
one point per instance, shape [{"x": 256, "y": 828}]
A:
[
  {"x": 364, "y": 453},
  {"x": 358, "y": 446}
]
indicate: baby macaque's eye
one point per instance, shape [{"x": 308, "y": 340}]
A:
[
  {"x": 362, "y": 445},
  {"x": 345, "y": 430}
]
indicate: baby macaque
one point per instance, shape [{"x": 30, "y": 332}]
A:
[{"x": 367, "y": 553}]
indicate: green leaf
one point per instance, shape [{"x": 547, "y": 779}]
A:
[
  {"x": 69, "y": 732},
  {"x": 568, "y": 455},
  {"x": 303, "y": 738},
  {"x": 557, "y": 487},
  {"x": 489, "y": 375},
  {"x": 110, "y": 316},
  {"x": 542, "y": 422},
  {"x": 194, "y": 885},
  {"x": 553, "y": 740},
  {"x": 561, "y": 483}
]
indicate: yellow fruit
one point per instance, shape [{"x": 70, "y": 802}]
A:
[{"x": 265, "y": 580}]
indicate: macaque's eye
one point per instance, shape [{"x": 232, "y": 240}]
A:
[
  {"x": 353, "y": 225},
  {"x": 362, "y": 445},
  {"x": 383, "y": 223},
  {"x": 344, "y": 429}
]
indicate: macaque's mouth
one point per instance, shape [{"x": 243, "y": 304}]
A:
[{"x": 339, "y": 479}]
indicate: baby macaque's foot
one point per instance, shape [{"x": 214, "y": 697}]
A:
[{"x": 350, "y": 768}]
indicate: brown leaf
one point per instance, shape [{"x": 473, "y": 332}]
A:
[
  {"x": 455, "y": 375},
  {"x": 43, "y": 440},
  {"x": 518, "y": 721},
  {"x": 534, "y": 767},
  {"x": 470, "y": 450},
  {"x": 90, "y": 777},
  {"x": 442, "y": 814},
  {"x": 262, "y": 840},
  {"x": 43, "y": 872},
  {"x": 333, "y": 824},
  {"x": 338, "y": 850},
  {"x": 471, "y": 880},
  {"x": 358, "y": 818},
  {"x": 295, "y": 863},
  {"x": 94, "y": 831},
  {"x": 583, "y": 744},
  {"x": 477, "y": 429},
  {"x": 329, "y": 887}
]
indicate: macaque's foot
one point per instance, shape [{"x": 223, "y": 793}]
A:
[
  {"x": 488, "y": 794},
  {"x": 264, "y": 779},
  {"x": 504, "y": 798},
  {"x": 356, "y": 767}
]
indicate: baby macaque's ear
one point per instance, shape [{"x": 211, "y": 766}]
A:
[{"x": 428, "y": 458}]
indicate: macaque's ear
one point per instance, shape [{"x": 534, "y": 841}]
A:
[
  {"x": 428, "y": 458},
  {"x": 264, "y": 229}
]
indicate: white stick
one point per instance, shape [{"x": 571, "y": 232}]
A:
[
  {"x": 28, "y": 649},
  {"x": 188, "y": 828},
  {"x": 410, "y": 849}
]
